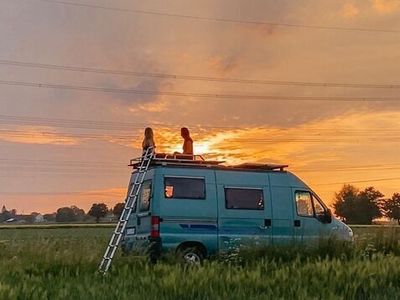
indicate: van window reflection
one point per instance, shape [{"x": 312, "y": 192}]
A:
[{"x": 304, "y": 204}]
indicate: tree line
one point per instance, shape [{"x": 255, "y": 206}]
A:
[
  {"x": 66, "y": 214},
  {"x": 355, "y": 206},
  {"x": 97, "y": 211}
]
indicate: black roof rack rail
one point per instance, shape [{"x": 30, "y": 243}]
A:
[
  {"x": 259, "y": 166},
  {"x": 178, "y": 159}
]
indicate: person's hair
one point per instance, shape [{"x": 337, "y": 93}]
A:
[
  {"x": 185, "y": 132},
  {"x": 148, "y": 133}
]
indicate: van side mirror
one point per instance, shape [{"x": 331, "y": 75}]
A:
[{"x": 325, "y": 217}]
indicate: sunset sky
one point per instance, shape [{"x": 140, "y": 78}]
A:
[{"x": 313, "y": 84}]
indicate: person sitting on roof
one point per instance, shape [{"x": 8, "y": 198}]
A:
[
  {"x": 148, "y": 140},
  {"x": 188, "y": 142}
]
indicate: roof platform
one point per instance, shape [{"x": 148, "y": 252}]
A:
[
  {"x": 184, "y": 160},
  {"x": 266, "y": 167}
]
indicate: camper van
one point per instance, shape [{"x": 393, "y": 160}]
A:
[{"x": 199, "y": 208}]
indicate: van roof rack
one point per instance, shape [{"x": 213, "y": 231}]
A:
[
  {"x": 259, "y": 166},
  {"x": 177, "y": 159}
]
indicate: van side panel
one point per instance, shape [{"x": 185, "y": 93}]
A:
[
  {"x": 237, "y": 226},
  {"x": 188, "y": 220}
]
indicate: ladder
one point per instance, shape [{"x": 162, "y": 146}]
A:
[{"x": 130, "y": 204}]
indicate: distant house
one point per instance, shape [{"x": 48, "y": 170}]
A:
[{"x": 38, "y": 218}]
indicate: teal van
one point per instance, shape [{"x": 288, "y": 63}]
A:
[{"x": 200, "y": 208}]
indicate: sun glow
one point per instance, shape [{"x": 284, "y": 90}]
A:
[{"x": 202, "y": 148}]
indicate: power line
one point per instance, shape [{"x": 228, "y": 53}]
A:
[
  {"x": 197, "y": 95},
  {"x": 129, "y": 126},
  {"x": 59, "y": 162},
  {"x": 220, "y": 20},
  {"x": 197, "y": 78},
  {"x": 98, "y": 162},
  {"x": 51, "y": 164},
  {"x": 60, "y": 136},
  {"x": 361, "y": 181},
  {"x": 92, "y": 124}
]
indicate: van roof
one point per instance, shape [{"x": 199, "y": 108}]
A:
[{"x": 198, "y": 161}]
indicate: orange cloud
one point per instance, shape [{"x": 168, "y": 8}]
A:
[
  {"x": 386, "y": 6},
  {"x": 37, "y": 135},
  {"x": 223, "y": 65},
  {"x": 349, "y": 10}
]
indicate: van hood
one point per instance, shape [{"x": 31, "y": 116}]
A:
[{"x": 341, "y": 231}]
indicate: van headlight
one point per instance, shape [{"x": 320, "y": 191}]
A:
[{"x": 350, "y": 234}]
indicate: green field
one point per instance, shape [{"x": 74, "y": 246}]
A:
[{"x": 61, "y": 263}]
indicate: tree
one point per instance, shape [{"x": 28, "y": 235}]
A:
[
  {"x": 50, "y": 217},
  {"x": 391, "y": 207},
  {"x": 70, "y": 214},
  {"x": 98, "y": 210},
  {"x": 358, "y": 207},
  {"x": 345, "y": 200},
  {"x": 368, "y": 205},
  {"x": 78, "y": 213},
  {"x": 65, "y": 214},
  {"x": 118, "y": 208},
  {"x": 5, "y": 214}
]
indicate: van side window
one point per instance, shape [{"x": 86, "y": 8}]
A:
[
  {"x": 184, "y": 188},
  {"x": 238, "y": 198},
  {"x": 304, "y": 204},
  {"x": 145, "y": 196}
]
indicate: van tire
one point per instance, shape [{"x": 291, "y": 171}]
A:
[{"x": 191, "y": 256}]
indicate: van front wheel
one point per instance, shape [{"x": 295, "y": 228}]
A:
[{"x": 191, "y": 256}]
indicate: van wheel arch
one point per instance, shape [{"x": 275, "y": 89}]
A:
[{"x": 195, "y": 247}]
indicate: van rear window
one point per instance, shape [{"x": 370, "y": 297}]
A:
[
  {"x": 242, "y": 198},
  {"x": 145, "y": 196},
  {"x": 184, "y": 188}
]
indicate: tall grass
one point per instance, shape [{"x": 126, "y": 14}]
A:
[{"x": 62, "y": 264}]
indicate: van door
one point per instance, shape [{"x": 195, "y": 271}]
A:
[
  {"x": 307, "y": 228},
  {"x": 139, "y": 223},
  {"x": 244, "y": 216},
  {"x": 282, "y": 215},
  {"x": 143, "y": 216}
]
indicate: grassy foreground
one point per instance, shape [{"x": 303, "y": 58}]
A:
[{"x": 61, "y": 263}]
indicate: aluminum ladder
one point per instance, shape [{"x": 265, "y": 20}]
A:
[{"x": 130, "y": 204}]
